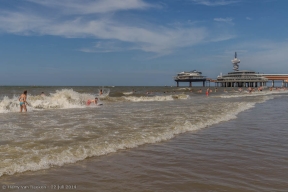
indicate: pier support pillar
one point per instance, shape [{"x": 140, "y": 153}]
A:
[
  {"x": 177, "y": 83},
  {"x": 190, "y": 84},
  {"x": 272, "y": 83}
]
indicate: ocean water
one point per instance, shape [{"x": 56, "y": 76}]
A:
[{"x": 143, "y": 139}]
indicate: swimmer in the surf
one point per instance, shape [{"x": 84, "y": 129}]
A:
[
  {"x": 95, "y": 101},
  {"x": 23, "y": 101},
  {"x": 250, "y": 90},
  {"x": 207, "y": 92}
]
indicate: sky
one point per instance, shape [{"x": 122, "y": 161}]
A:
[{"x": 138, "y": 42}]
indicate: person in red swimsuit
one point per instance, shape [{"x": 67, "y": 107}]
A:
[{"x": 207, "y": 92}]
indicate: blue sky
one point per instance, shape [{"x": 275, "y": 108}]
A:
[{"x": 137, "y": 42}]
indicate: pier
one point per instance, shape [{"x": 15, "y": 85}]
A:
[
  {"x": 236, "y": 78},
  {"x": 277, "y": 77},
  {"x": 192, "y": 80}
]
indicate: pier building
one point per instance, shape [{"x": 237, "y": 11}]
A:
[
  {"x": 191, "y": 76},
  {"x": 240, "y": 78}
]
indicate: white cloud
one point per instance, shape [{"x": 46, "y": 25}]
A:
[
  {"x": 104, "y": 47},
  {"x": 227, "y": 20},
  {"x": 223, "y": 37},
  {"x": 90, "y": 7},
  {"x": 149, "y": 38},
  {"x": 215, "y": 2},
  {"x": 21, "y": 23},
  {"x": 248, "y": 18}
]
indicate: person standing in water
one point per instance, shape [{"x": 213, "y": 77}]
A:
[
  {"x": 207, "y": 92},
  {"x": 23, "y": 101}
]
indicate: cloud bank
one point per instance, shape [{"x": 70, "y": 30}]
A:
[
  {"x": 74, "y": 7},
  {"x": 97, "y": 20}
]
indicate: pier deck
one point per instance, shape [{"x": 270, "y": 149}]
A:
[
  {"x": 277, "y": 77},
  {"x": 203, "y": 80}
]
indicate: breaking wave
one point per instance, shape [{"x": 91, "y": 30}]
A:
[
  {"x": 156, "y": 98},
  {"x": 253, "y": 94},
  {"x": 62, "y": 99}
]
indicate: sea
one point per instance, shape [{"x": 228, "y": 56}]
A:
[{"x": 144, "y": 139}]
